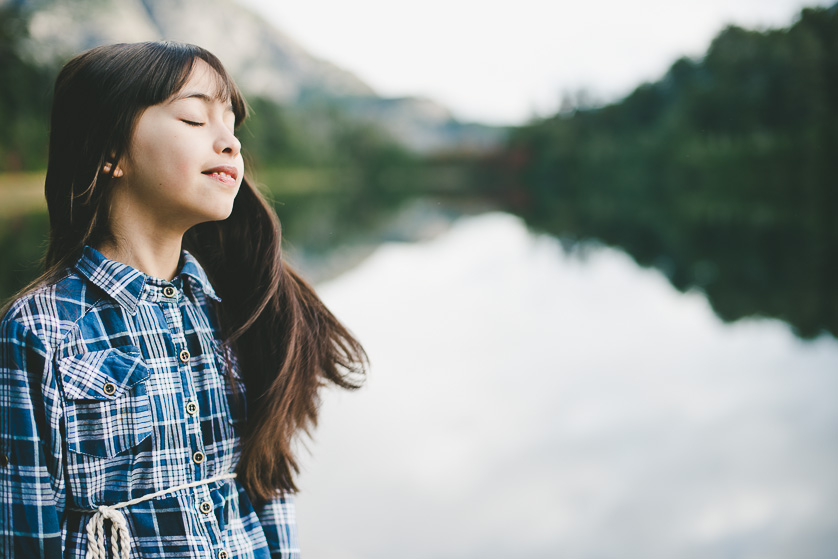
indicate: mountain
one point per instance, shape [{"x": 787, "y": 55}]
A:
[{"x": 265, "y": 61}]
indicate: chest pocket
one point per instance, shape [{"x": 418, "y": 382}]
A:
[{"x": 107, "y": 408}]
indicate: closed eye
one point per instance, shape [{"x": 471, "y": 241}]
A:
[{"x": 192, "y": 122}]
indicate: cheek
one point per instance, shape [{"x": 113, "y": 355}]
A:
[{"x": 164, "y": 160}]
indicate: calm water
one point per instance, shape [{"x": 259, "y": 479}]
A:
[{"x": 524, "y": 402}]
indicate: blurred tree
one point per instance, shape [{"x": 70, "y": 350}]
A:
[
  {"x": 24, "y": 97},
  {"x": 722, "y": 174}
]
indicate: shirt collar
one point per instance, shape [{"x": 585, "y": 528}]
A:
[
  {"x": 125, "y": 284},
  {"x": 196, "y": 273}
]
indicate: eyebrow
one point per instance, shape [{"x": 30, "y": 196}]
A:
[{"x": 202, "y": 96}]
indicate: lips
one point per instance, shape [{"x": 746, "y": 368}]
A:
[{"x": 224, "y": 173}]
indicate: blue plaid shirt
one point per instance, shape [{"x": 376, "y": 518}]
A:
[{"x": 113, "y": 385}]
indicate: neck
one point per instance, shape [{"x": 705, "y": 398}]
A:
[
  {"x": 143, "y": 237},
  {"x": 154, "y": 256}
]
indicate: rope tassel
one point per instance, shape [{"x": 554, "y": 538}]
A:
[{"x": 120, "y": 545}]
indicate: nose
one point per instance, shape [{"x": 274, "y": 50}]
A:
[{"x": 226, "y": 142}]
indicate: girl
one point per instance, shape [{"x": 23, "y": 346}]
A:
[{"x": 153, "y": 379}]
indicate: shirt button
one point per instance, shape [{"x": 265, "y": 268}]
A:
[
  {"x": 184, "y": 356},
  {"x": 206, "y": 507},
  {"x": 4, "y": 460},
  {"x": 198, "y": 457},
  {"x": 191, "y": 408},
  {"x": 109, "y": 388},
  {"x": 169, "y": 291},
  {"x": 222, "y": 554}
]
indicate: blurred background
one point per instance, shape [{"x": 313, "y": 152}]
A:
[{"x": 590, "y": 248}]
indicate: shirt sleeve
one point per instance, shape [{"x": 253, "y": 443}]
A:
[
  {"x": 30, "y": 496},
  {"x": 279, "y": 522}
]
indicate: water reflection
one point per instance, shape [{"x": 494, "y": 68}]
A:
[
  {"x": 525, "y": 402},
  {"x": 329, "y": 233}
]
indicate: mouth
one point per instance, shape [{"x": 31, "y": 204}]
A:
[{"x": 223, "y": 173}]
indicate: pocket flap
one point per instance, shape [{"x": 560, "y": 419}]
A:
[{"x": 102, "y": 375}]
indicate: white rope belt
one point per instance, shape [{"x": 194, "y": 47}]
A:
[{"x": 120, "y": 545}]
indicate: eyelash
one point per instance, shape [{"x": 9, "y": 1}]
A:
[{"x": 193, "y": 123}]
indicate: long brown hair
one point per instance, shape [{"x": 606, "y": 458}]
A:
[{"x": 286, "y": 341}]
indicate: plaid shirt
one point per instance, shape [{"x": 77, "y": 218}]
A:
[{"x": 113, "y": 385}]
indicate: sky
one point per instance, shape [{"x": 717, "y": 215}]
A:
[{"x": 503, "y": 62}]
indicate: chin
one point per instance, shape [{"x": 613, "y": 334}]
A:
[
  {"x": 207, "y": 217},
  {"x": 220, "y": 211},
  {"x": 221, "y": 216}
]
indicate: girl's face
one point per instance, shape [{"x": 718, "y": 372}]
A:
[{"x": 184, "y": 164}]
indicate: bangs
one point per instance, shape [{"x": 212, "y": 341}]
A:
[
  {"x": 225, "y": 89},
  {"x": 172, "y": 67}
]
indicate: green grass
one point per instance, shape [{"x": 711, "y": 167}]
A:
[{"x": 21, "y": 193}]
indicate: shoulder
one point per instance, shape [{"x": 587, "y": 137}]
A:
[{"x": 49, "y": 311}]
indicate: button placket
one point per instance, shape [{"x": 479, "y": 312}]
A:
[
  {"x": 192, "y": 427},
  {"x": 174, "y": 320},
  {"x": 207, "y": 514},
  {"x": 173, "y": 313}
]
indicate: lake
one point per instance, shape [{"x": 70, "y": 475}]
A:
[{"x": 528, "y": 402}]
